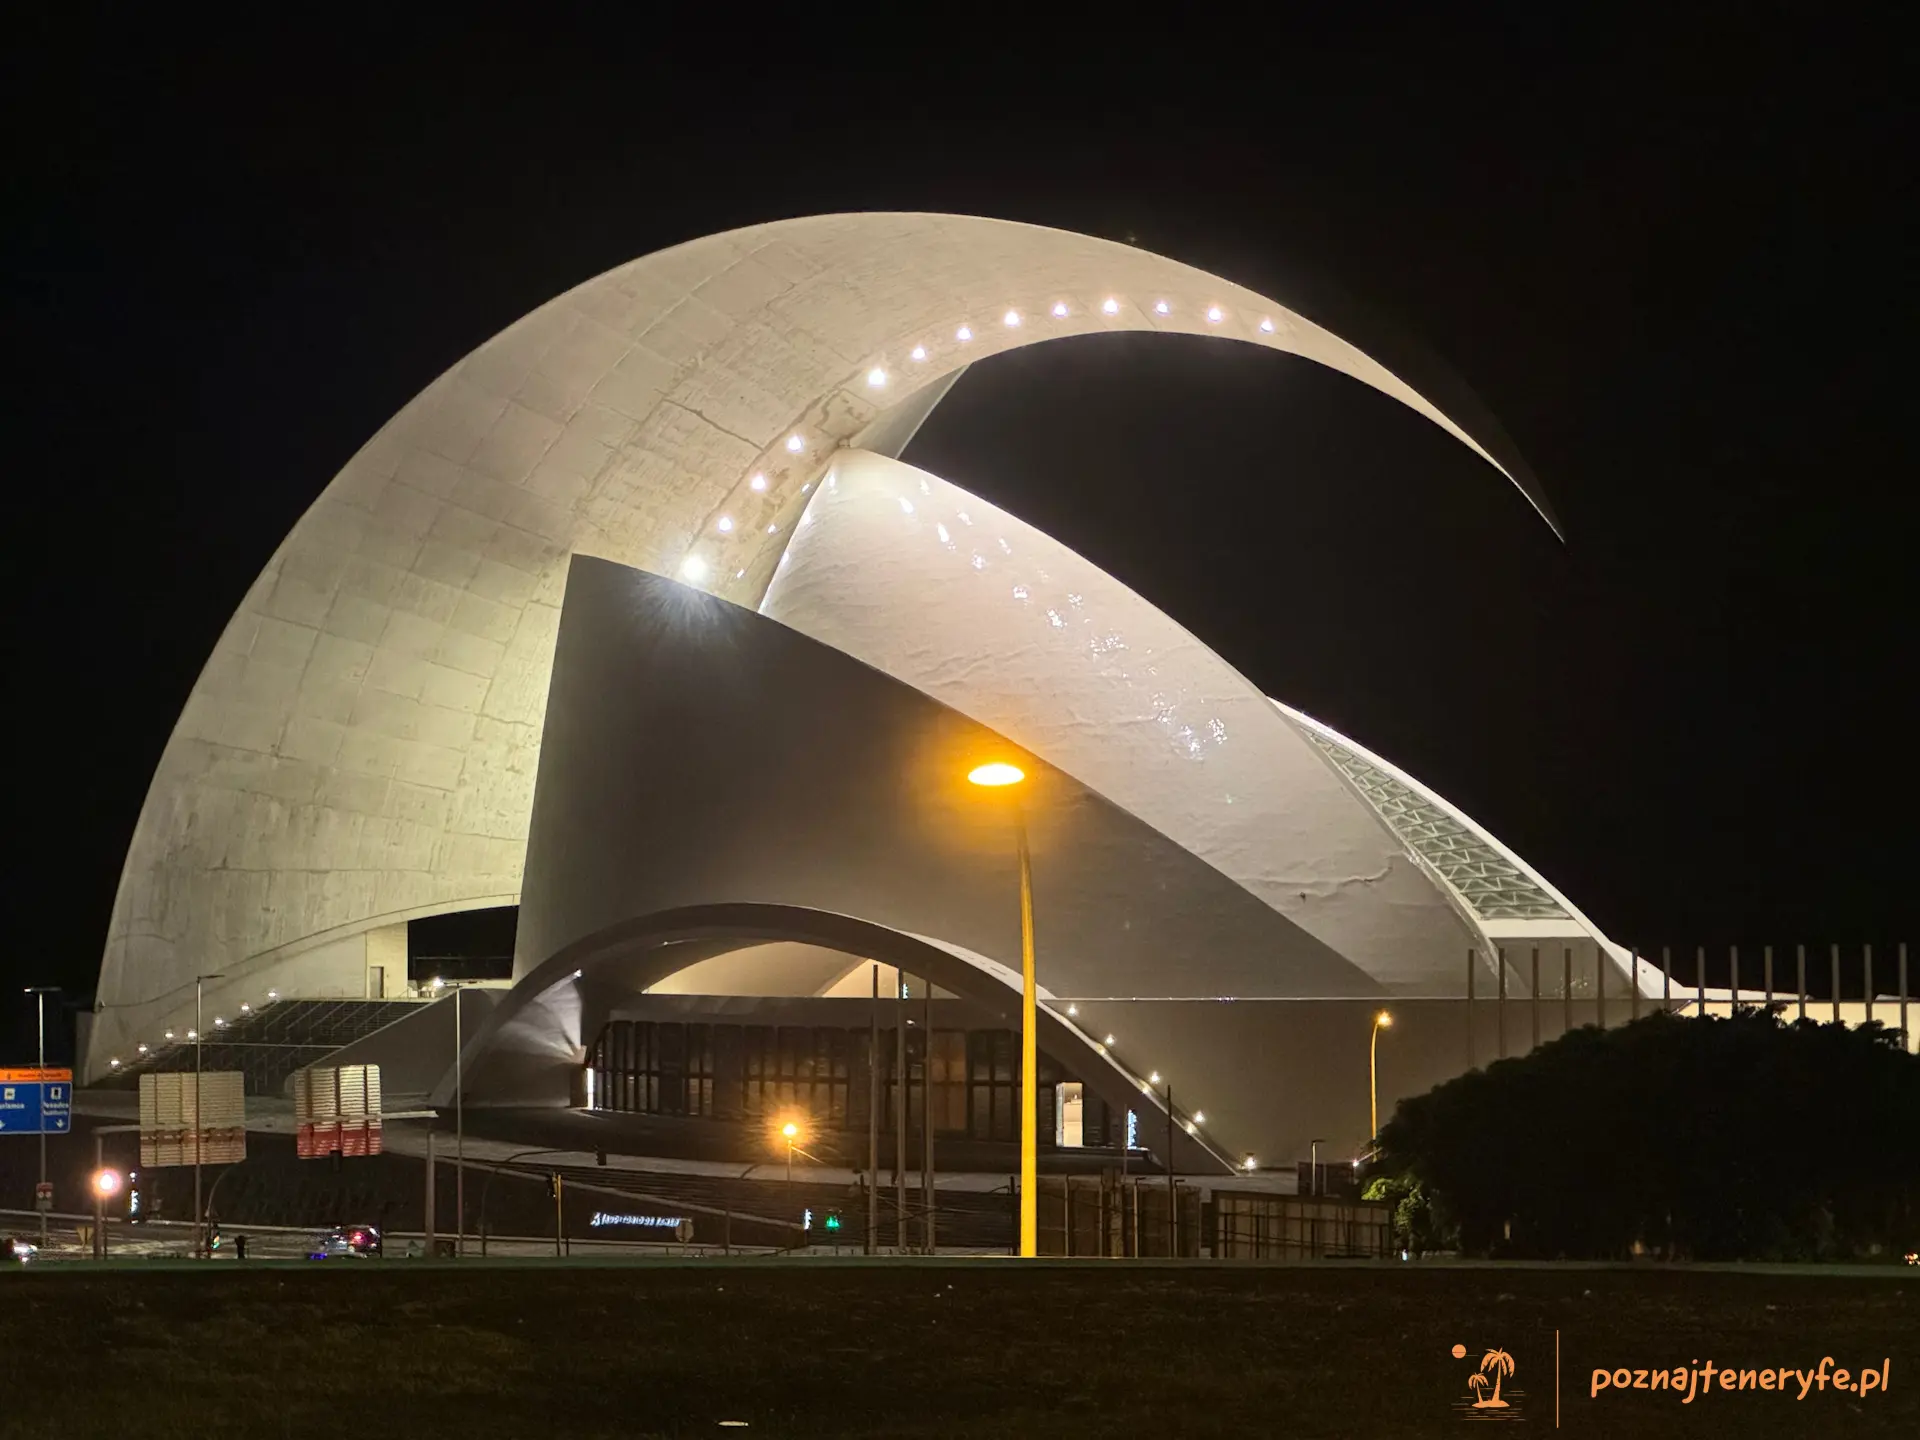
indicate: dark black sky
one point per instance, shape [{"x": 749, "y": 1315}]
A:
[{"x": 1674, "y": 265}]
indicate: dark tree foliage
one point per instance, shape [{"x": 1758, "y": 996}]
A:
[{"x": 1707, "y": 1139}]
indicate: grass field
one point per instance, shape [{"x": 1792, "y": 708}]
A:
[{"x": 977, "y": 1348}]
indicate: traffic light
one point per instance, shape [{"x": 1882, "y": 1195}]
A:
[
  {"x": 553, "y": 1186},
  {"x": 833, "y": 1221}
]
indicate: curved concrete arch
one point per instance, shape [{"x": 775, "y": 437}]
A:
[
  {"x": 363, "y": 740},
  {"x": 518, "y": 1054}
]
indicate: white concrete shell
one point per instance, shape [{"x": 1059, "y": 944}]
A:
[
  {"x": 361, "y": 746},
  {"x": 1005, "y": 624}
]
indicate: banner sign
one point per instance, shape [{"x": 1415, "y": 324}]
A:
[
  {"x": 336, "y": 1110},
  {"x": 186, "y": 1118}
]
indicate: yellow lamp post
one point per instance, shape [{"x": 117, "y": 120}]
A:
[
  {"x": 1380, "y": 1022},
  {"x": 1000, "y": 774},
  {"x": 792, "y": 1133}
]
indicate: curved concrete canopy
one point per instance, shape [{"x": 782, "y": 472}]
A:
[
  {"x": 939, "y": 588},
  {"x": 363, "y": 741},
  {"x": 532, "y": 1043}
]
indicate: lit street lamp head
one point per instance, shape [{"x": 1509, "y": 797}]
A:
[
  {"x": 996, "y": 773},
  {"x": 790, "y": 1130},
  {"x": 1383, "y": 1018},
  {"x": 106, "y": 1183}
]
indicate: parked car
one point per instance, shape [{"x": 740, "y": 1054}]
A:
[
  {"x": 345, "y": 1242},
  {"x": 17, "y": 1251}
]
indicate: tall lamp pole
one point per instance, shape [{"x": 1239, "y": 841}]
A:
[
  {"x": 1002, "y": 774},
  {"x": 1380, "y": 1022},
  {"x": 199, "y": 1114},
  {"x": 40, "y": 993},
  {"x": 459, "y": 1126}
]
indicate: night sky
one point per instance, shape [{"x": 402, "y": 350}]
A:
[{"x": 1668, "y": 264}]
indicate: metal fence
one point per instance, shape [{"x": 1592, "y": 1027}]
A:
[
  {"x": 1256, "y": 1225},
  {"x": 1519, "y": 995}
]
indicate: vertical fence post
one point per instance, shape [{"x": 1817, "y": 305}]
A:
[
  {"x": 1500, "y": 1005},
  {"x": 1470, "y": 968},
  {"x": 1666, "y": 979},
  {"x": 1733, "y": 981},
  {"x": 1535, "y": 988},
  {"x": 927, "y": 1227},
  {"x": 1766, "y": 971},
  {"x": 1700, "y": 979},
  {"x": 1600, "y": 984},
  {"x": 1906, "y": 1040},
  {"x": 1833, "y": 955},
  {"x": 1566, "y": 990},
  {"x": 1633, "y": 986},
  {"x": 1867, "y": 956},
  {"x": 1800, "y": 982}
]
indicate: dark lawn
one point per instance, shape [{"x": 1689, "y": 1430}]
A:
[{"x": 974, "y": 1348}]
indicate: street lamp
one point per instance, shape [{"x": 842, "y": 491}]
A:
[
  {"x": 1381, "y": 1021},
  {"x": 459, "y": 1124},
  {"x": 105, "y": 1185},
  {"x": 40, "y": 993},
  {"x": 995, "y": 775},
  {"x": 792, "y": 1133},
  {"x": 199, "y": 1115}
]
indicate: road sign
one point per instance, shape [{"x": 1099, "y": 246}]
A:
[
  {"x": 43, "y": 1195},
  {"x": 173, "y": 1106},
  {"x": 35, "y": 1101},
  {"x": 337, "y": 1110}
]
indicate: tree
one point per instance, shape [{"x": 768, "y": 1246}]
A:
[{"x": 1711, "y": 1138}]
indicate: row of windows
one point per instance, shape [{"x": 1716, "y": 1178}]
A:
[{"x": 768, "y": 1073}]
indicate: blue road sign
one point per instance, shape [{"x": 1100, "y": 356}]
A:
[{"x": 36, "y": 1107}]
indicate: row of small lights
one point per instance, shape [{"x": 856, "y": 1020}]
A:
[
  {"x": 1192, "y": 1125},
  {"x": 219, "y": 1023},
  {"x": 695, "y": 569}
]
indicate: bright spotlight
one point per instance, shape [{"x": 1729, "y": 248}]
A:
[
  {"x": 795, "y": 444},
  {"x": 1160, "y": 307},
  {"x": 758, "y": 482},
  {"x": 876, "y": 377},
  {"x": 106, "y": 1183},
  {"x": 790, "y": 1130},
  {"x": 1059, "y": 309},
  {"x": 1213, "y": 313},
  {"x": 1011, "y": 319},
  {"x": 996, "y": 773},
  {"x": 919, "y": 352},
  {"x": 1267, "y": 325},
  {"x": 724, "y": 524},
  {"x": 693, "y": 569},
  {"x": 1154, "y": 1078},
  {"x": 965, "y": 332},
  {"x": 1110, "y": 306}
]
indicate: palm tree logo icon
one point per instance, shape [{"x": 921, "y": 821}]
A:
[
  {"x": 1500, "y": 1363},
  {"x": 1484, "y": 1386}
]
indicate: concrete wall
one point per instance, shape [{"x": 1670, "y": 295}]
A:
[{"x": 362, "y": 743}]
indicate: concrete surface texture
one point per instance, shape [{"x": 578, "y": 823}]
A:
[{"x": 361, "y": 746}]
